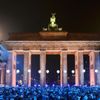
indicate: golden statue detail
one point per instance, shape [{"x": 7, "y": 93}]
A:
[{"x": 52, "y": 26}]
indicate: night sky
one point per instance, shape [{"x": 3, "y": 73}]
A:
[{"x": 32, "y": 15}]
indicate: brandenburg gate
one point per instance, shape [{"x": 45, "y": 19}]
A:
[
  {"x": 53, "y": 40},
  {"x": 78, "y": 48}
]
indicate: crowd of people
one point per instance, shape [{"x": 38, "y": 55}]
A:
[{"x": 53, "y": 92}]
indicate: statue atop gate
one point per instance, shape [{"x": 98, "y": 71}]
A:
[
  {"x": 53, "y": 31},
  {"x": 52, "y": 26}
]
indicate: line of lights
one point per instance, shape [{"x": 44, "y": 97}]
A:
[{"x": 47, "y": 71}]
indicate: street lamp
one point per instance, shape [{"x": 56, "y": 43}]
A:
[
  {"x": 39, "y": 71},
  {"x": 8, "y": 71},
  {"x": 47, "y": 71},
  {"x": 65, "y": 71},
  {"x": 73, "y": 71},
  {"x": 18, "y": 71},
  {"x": 84, "y": 70},
  {"x": 29, "y": 70},
  {"x": 58, "y": 71},
  {"x": 96, "y": 71}
]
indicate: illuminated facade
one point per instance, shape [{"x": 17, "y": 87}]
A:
[{"x": 54, "y": 42}]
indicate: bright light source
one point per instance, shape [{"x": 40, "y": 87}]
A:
[
  {"x": 29, "y": 70},
  {"x": 39, "y": 85},
  {"x": 47, "y": 71},
  {"x": 39, "y": 71},
  {"x": 65, "y": 71},
  {"x": 34, "y": 85},
  {"x": 18, "y": 71},
  {"x": 96, "y": 70},
  {"x": 58, "y": 71},
  {"x": 53, "y": 85},
  {"x": 46, "y": 85},
  {"x": 7, "y": 71},
  {"x": 84, "y": 70},
  {"x": 73, "y": 71}
]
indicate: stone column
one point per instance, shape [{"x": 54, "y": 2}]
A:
[
  {"x": 27, "y": 69},
  {"x": 76, "y": 69},
  {"x": 9, "y": 67},
  {"x": 81, "y": 67},
  {"x": 13, "y": 68},
  {"x": 3, "y": 73},
  {"x": 2, "y": 76},
  {"x": 63, "y": 69},
  {"x": 92, "y": 67},
  {"x": 43, "y": 67},
  {"x": 97, "y": 66}
]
